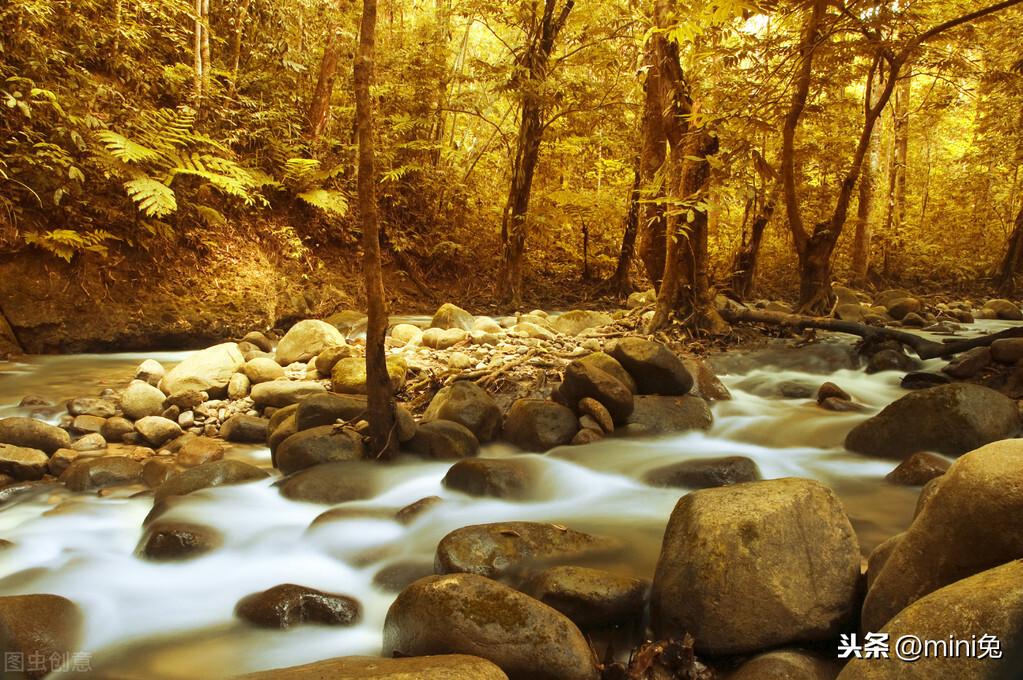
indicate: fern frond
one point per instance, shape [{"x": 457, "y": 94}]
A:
[
  {"x": 127, "y": 150},
  {"x": 333, "y": 202},
  {"x": 154, "y": 199},
  {"x": 300, "y": 173},
  {"x": 210, "y": 216}
]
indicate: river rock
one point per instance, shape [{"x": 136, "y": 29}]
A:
[
  {"x": 280, "y": 393},
  {"x": 349, "y": 375},
  {"x": 921, "y": 380},
  {"x": 891, "y": 360},
  {"x": 41, "y": 632},
  {"x": 217, "y": 473},
  {"x": 443, "y": 440},
  {"x": 900, "y": 308},
  {"x": 510, "y": 548},
  {"x": 598, "y": 413},
  {"x": 198, "y": 451},
  {"x": 141, "y": 399},
  {"x": 654, "y": 367},
  {"x": 324, "y": 444},
  {"x": 88, "y": 425},
  {"x": 150, "y": 371},
  {"x": 185, "y": 400},
  {"x": 452, "y": 316},
  {"x": 435, "y": 667},
  {"x": 887, "y": 297},
  {"x": 1004, "y": 309},
  {"x": 610, "y": 365},
  {"x": 989, "y": 603},
  {"x": 171, "y": 541},
  {"x": 850, "y": 311},
  {"x": 90, "y": 442},
  {"x": 579, "y": 320},
  {"x": 539, "y": 425},
  {"x": 98, "y": 473},
  {"x": 437, "y": 338},
  {"x": 949, "y": 419},
  {"x": 245, "y": 429},
  {"x": 1007, "y": 350},
  {"x": 328, "y": 358},
  {"x": 969, "y": 363},
  {"x": 591, "y": 598},
  {"x": 261, "y": 370},
  {"x": 787, "y": 664},
  {"x": 114, "y": 429},
  {"x": 327, "y": 409},
  {"x": 468, "y": 404},
  {"x": 92, "y": 406},
  {"x": 306, "y": 339},
  {"x": 22, "y": 463},
  {"x": 406, "y": 333},
  {"x": 33, "y": 434},
  {"x": 973, "y": 521},
  {"x": 513, "y": 478},
  {"x": 528, "y": 329},
  {"x": 260, "y": 340},
  {"x": 757, "y": 565},
  {"x": 655, "y": 415},
  {"x": 157, "y": 430},
  {"x": 918, "y": 469},
  {"x": 290, "y": 605},
  {"x": 412, "y": 511},
  {"x": 469, "y": 614},
  {"x": 207, "y": 370},
  {"x": 330, "y": 483},
  {"x": 586, "y": 381},
  {"x": 238, "y": 387},
  {"x": 705, "y": 473}
]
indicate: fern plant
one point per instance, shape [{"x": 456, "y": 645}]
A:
[
  {"x": 163, "y": 147},
  {"x": 306, "y": 178}
]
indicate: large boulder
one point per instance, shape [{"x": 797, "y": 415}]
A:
[
  {"x": 22, "y": 463},
  {"x": 654, "y": 415},
  {"x": 289, "y": 605},
  {"x": 539, "y": 425},
  {"x": 579, "y": 320},
  {"x": 261, "y": 370},
  {"x": 208, "y": 475},
  {"x": 207, "y": 370},
  {"x": 306, "y": 339},
  {"x": 39, "y": 631},
  {"x": 752, "y": 566},
  {"x": 141, "y": 399},
  {"x": 1004, "y": 309},
  {"x": 279, "y": 393},
  {"x": 452, "y": 316},
  {"x": 655, "y": 368},
  {"x": 586, "y": 381},
  {"x": 324, "y": 444},
  {"x": 988, "y": 605},
  {"x": 329, "y": 483},
  {"x": 591, "y": 598},
  {"x": 33, "y": 434},
  {"x": 468, "y": 404},
  {"x": 510, "y": 548},
  {"x": 443, "y": 440},
  {"x": 98, "y": 473},
  {"x": 609, "y": 364},
  {"x": 328, "y": 408},
  {"x": 469, "y": 614},
  {"x": 245, "y": 429},
  {"x": 514, "y": 478},
  {"x": 972, "y": 521},
  {"x": 948, "y": 419},
  {"x": 349, "y": 375},
  {"x": 436, "y": 667}
]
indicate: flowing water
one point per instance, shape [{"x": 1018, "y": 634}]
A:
[{"x": 175, "y": 620}]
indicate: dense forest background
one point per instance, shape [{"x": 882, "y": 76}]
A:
[{"x": 522, "y": 144}]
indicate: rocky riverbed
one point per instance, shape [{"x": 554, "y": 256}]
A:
[{"x": 566, "y": 487}]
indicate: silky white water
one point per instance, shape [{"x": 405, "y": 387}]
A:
[{"x": 175, "y": 620}]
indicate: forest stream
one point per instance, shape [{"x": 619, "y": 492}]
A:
[{"x": 175, "y": 620}]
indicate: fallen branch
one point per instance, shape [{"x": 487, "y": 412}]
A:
[{"x": 924, "y": 348}]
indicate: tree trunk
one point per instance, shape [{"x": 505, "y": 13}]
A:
[
  {"x": 380, "y": 395},
  {"x": 621, "y": 281},
  {"x": 895, "y": 214},
  {"x": 1012, "y": 262},
  {"x": 744, "y": 268},
  {"x": 207, "y": 59},
  {"x": 197, "y": 56},
  {"x": 240, "y": 18},
  {"x": 319, "y": 106},
  {"x": 534, "y": 63},
  {"x": 865, "y": 205}
]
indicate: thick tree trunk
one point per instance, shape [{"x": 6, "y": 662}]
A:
[
  {"x": 535, "y": 62},
  {"x": 1012, "y": 261},
  {"x": 815, "y": 273},
  {"x": 319, "y": 106},
  {"x": 380, "y": 395},
  {"x": 621, "y": 280}
]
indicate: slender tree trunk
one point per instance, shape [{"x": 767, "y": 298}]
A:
[
  {"x": 319, "y": 107},
  {"x": 379, "y": 391},
  {"x": 241, "y": 16},
  {"x": 621, "y": 281},
  {"x": 1012, "y": 261},
  {"x": 744, "y": 268},
  {"x": 865, "y": 205},
  {"x": 534, "y": 64},
  {"x": 197, "y": 56},
  {"x": 895, "y": 212},
  {"x": 207, "y": 58}
]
